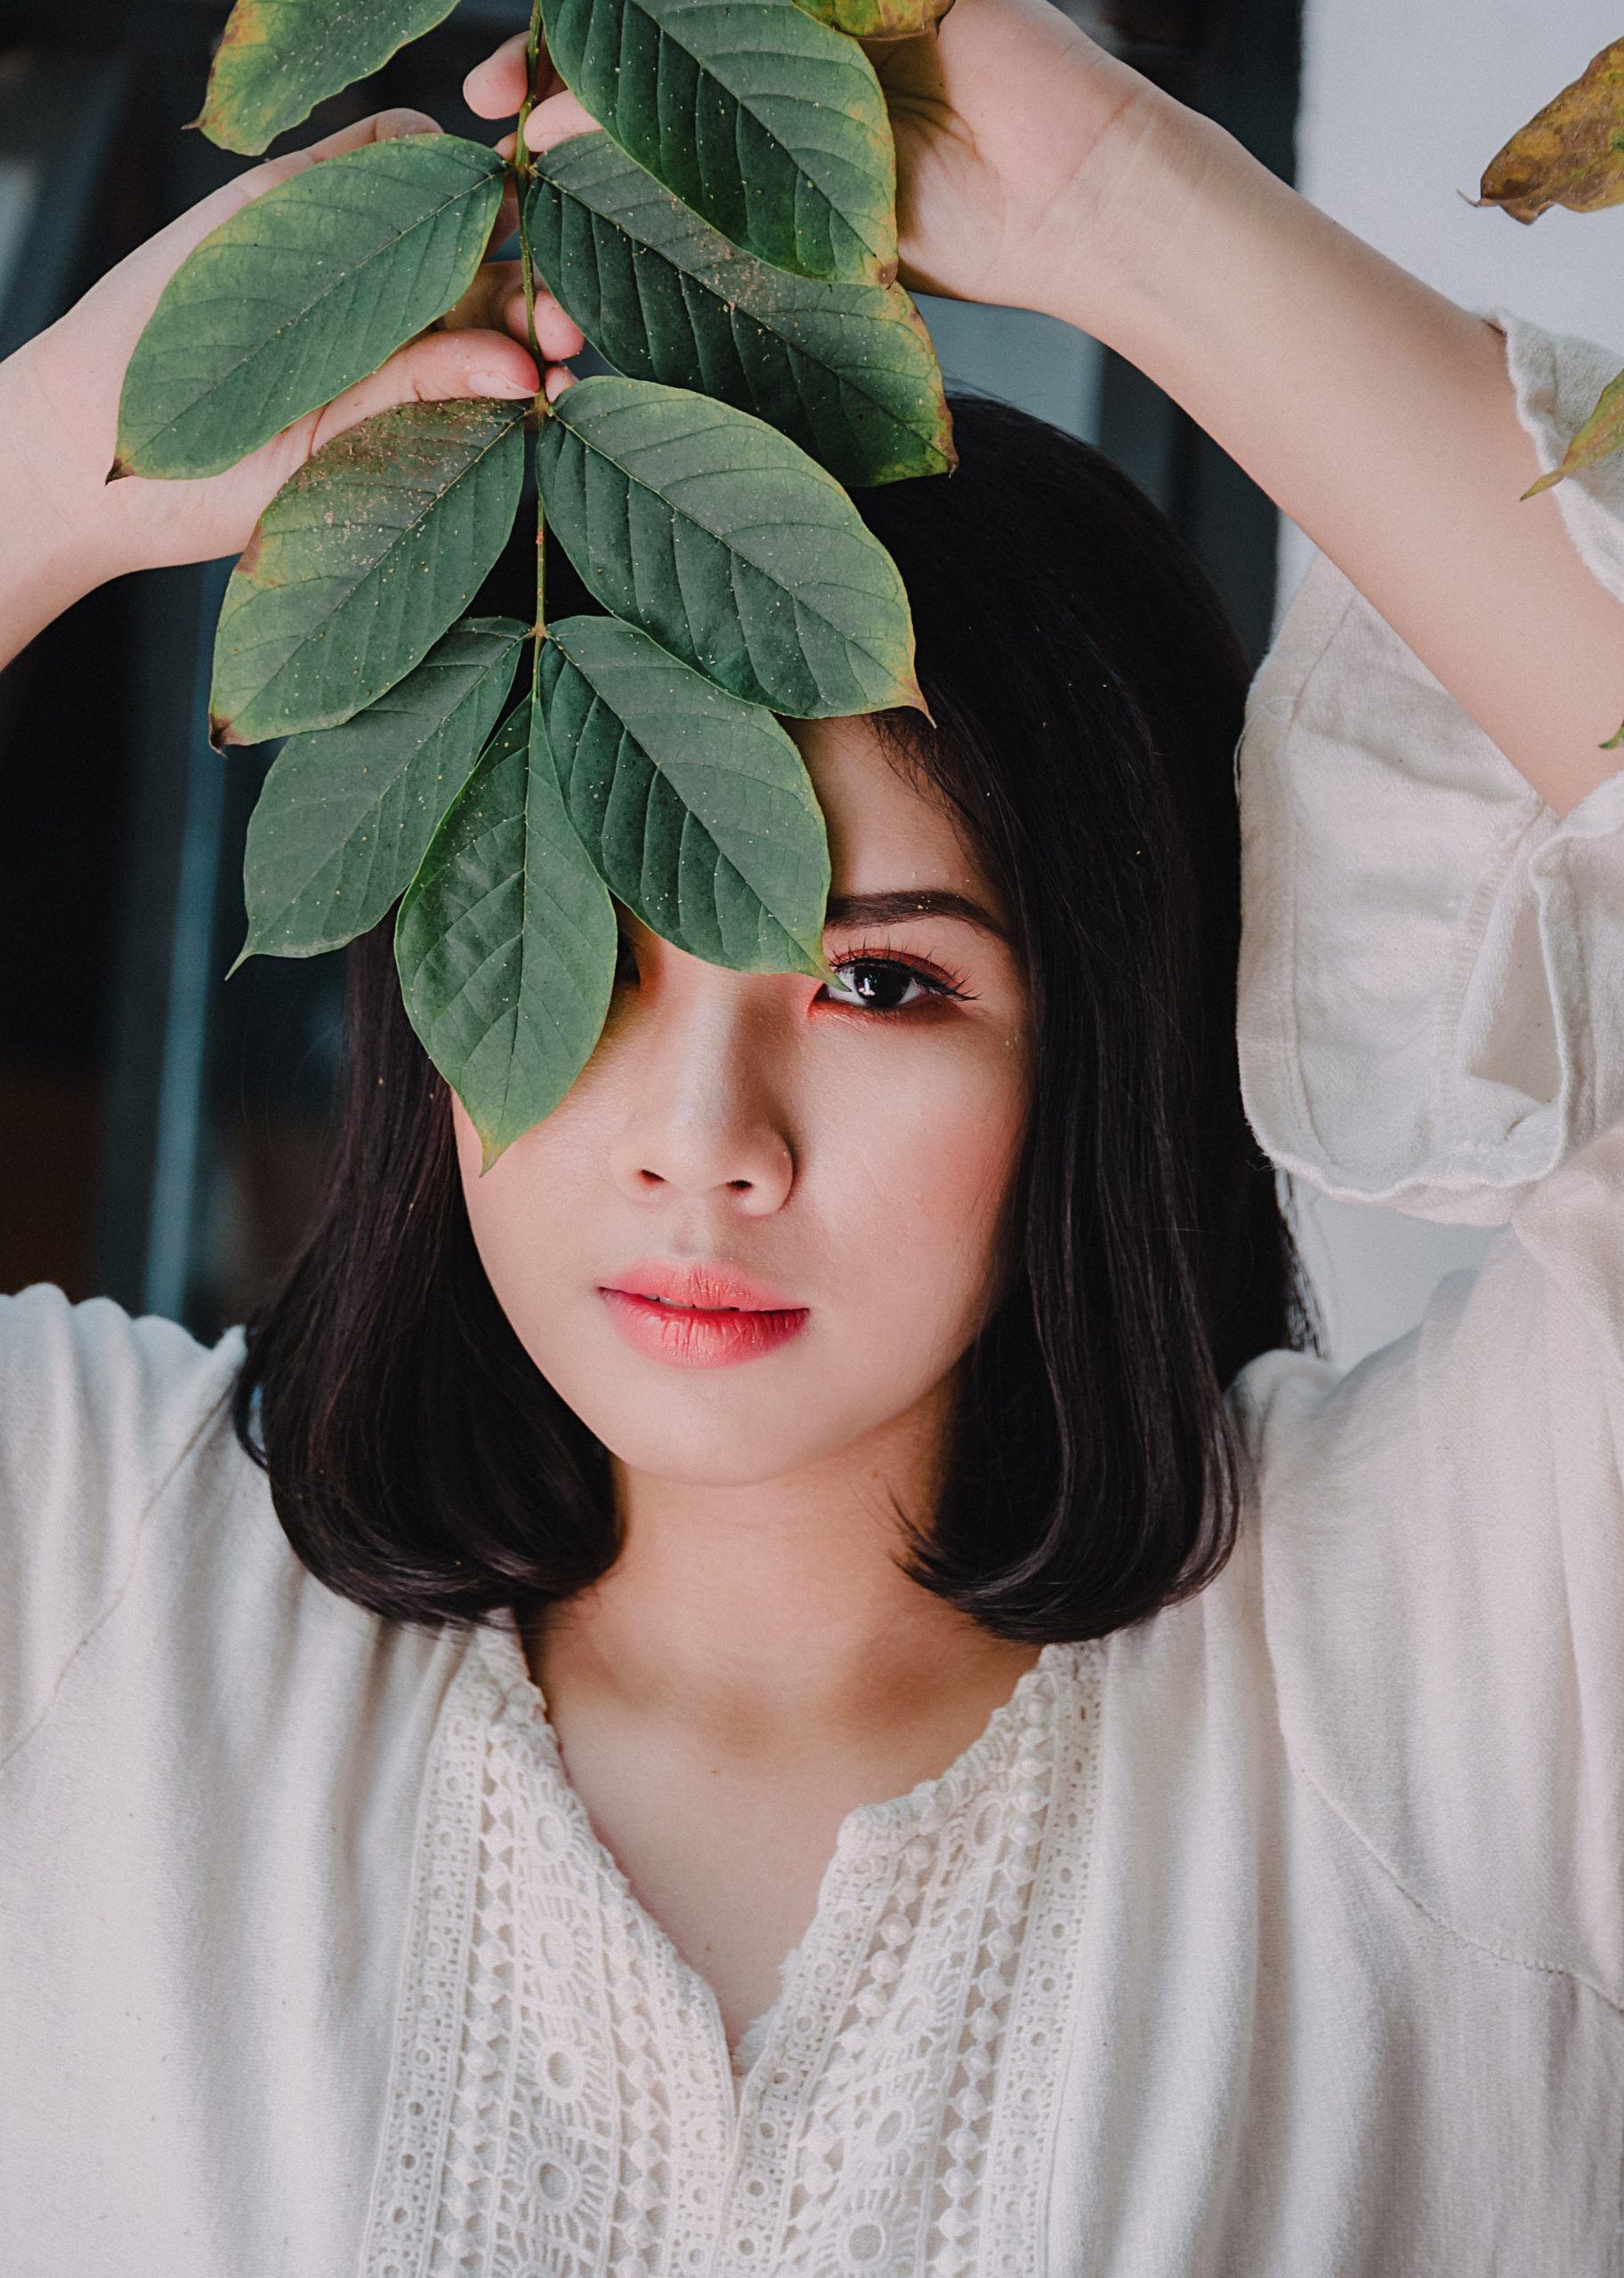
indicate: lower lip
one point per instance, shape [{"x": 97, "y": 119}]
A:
[{"x": 695, "y": 1338}]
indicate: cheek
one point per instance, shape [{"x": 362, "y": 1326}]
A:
[
  {"x": 527, "y": 1214},
  {"x": 904, "y": 1150},
  {"x": 909, "y": 1171}
]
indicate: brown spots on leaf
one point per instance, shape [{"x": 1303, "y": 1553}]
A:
[
  {"x": 222, "y": 118},
  {"x": 1571, "y": 154},
  {"x": 1601, "y": 434},
  {"x": 879, "y": 18}
]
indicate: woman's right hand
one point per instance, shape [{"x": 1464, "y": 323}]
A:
[
  {"x": 65, "y": 529},
  {"x": 1014, "y": 133}
]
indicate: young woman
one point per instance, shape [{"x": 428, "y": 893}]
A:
[{"x": 789, "y": 1722}]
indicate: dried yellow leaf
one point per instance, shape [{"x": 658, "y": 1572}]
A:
[
  {"x": 1572, "y": 154},
  {"x": 879, "y": 18},
  {"x": 1601, "y": 434}
]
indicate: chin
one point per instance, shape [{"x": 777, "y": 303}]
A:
[
  {"x": 724, "y": 1427},
  {"x": 707, "y": 1450}
]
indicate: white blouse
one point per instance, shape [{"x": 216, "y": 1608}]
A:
[{"x": 1281, "y": 1936}]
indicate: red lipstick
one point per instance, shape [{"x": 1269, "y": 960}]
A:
[{"x": 699, "y": 1316}]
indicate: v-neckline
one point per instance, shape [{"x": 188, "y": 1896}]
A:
[
  {"x": 560, "y": 2080},
  {"x": 867, "y": 1837}
]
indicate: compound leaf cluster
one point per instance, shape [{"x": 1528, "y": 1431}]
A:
[{"x": 726, "y": 239}]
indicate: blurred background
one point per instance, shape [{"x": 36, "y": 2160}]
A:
[{"x": 162, "y": 1132}]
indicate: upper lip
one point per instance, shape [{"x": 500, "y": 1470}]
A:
[{"x": 711, "y": 1288}]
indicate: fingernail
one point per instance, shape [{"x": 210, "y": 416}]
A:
[{"x": 498, "y": 383}]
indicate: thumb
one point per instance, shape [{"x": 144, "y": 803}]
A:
[
  {"x": 436, "y": 369},
  {"x": 124, "y": 300}
]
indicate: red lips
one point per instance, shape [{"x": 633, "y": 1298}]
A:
[
  {"x": 699, "y": 1316},
  {"x": 714, "y": 1287}
]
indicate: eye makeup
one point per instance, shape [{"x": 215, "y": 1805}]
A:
[{"x": 937, "y": 982}]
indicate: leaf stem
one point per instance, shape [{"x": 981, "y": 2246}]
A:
[
  {"x": 532, "y": 57},
  {"x": 524, "y": 165}
]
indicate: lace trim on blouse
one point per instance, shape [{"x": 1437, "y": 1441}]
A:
[{"x": 562, "y": 2099}]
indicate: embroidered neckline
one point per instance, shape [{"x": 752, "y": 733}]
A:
[
  {"x": 561, "y": 2096},
  {"x": 917, "y": 1810}
]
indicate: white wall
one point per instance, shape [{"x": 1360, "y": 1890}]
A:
[{"x": 1404, "y": 103}]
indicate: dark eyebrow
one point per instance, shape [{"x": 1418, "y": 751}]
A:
[{"x": 909, "y": 901}]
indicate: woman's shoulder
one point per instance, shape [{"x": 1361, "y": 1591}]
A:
[
  {"x": 96, "y": 1406},
  {"x": 1432, "y": 1566},
  {"x": 101, "y": 1366},
  {"x": 121, "y": 1481}
]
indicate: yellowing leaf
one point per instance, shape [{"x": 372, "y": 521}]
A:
[
  {"x": 879, "y": 19},
  {"x": 1601, "y": 434},
  {"x": 1572, "y": 154},
  {"x": 279, "y": 59}
]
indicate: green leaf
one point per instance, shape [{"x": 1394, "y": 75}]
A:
[
  {"x": 1601, "y": 434},
  {"x": 374, "y": 549},
  {"x": 847, "y": 371},
  {"x": 279, "y": 59},
  {"x": 722, "y": 540},
  {"x": 506, "y": 941},
  {"x": 346, "y": 815},
  {"x": 879, "y": 19},
  {"x": 304, "y": 292},
  {"x": 769, "y": 125},
  {"x": 697, "y": 809}
]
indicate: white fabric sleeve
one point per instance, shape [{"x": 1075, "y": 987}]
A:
[
  {"x": 1431, "y": 974},
  {"x": 1441, "y": 1553},
  {"x": 97, "y": 1412}
]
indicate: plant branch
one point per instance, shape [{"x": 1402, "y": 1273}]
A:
[{"x": 524, "y": 165}]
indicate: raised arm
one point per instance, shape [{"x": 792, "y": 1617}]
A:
[
  {"x": 1036, "y": 169},
  {"x": 65, "y": 530},
  {"x": 1375, "y": 413}
]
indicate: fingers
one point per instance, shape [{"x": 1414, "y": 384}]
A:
[
  {"x": 495, "y": 303},
  {"x": 495, "y": 89},
  {"x": 382, "y": 127},
  {"x": 555, "y": 120},
  {"x": 115, "y": 309},
  {"x": 438, "y": 367}
]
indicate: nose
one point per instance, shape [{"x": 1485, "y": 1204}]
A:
[{"x": 705, "y": 1112}]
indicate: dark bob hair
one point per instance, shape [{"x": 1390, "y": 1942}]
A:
[{"x": 1087, "y": 690}]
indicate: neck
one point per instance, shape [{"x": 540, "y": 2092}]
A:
[{"x": 745, "y": 1612}]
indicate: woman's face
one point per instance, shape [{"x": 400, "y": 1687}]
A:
[{"x": 845, "y": 1164}]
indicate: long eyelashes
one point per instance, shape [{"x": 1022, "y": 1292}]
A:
[{"x": 937, "y": 984}]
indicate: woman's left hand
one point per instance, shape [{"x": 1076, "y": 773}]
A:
[{"x": 1012, "y": 128}]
